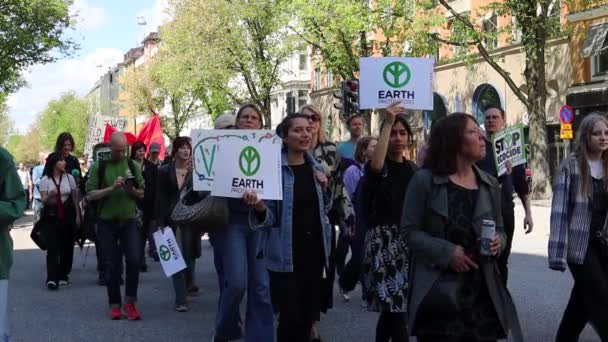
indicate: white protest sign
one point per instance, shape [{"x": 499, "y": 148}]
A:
[
  {"x": 249, "y": 166},
  {"x": 97, "y": 128},
  {"x": 509, "y": 145},
  {"x": 207, "y": 144},
  {"x": 387, "y": 80},
  {"x": 170, "y": 256}
]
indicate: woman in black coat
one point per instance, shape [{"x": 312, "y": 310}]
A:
[{"x": 170, "y": 180}]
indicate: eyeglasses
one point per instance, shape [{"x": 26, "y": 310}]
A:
[{"x": 313, "y": 118}]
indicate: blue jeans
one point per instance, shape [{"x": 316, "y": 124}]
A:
[
  {"x": 239, "y": 269},
  {"x": 4, "y": 333},
  {"x": 116, "y": 238}
]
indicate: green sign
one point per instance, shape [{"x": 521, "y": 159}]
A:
[
  {"x": 164, "y": 253},
  {"x": 249, "y": 161},
  {"x": 396, "y": 74}
]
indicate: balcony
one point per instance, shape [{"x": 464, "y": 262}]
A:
[{"x": 460, "y": 6}]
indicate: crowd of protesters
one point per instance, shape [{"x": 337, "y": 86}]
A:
[{"x": 413, "y": 229}]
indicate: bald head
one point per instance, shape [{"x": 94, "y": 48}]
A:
[{"x": 118, "y": 145}]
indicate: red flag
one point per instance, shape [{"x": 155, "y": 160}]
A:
[
  {"x": 152, "y": 132},
  {"x": 110, "y": 129}
]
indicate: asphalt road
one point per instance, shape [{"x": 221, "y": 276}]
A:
[{"x": 79, "y": 312}]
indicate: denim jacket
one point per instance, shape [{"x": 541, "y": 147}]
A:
[{"x": 276, "y": 243}]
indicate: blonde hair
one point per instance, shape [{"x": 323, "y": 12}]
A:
[
  {"x": 581, "y": 150},
  {"x": 321, "y": 137}
]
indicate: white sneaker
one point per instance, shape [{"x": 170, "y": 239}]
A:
[
  {"x": 345, "y": 295},
  {"x": 64, "y": 283}
]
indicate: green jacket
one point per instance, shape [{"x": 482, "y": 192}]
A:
[
  {"x": 12, "y": 205},
  {"x": 423, "y": 225}
]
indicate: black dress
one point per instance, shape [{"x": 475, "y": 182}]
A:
[
  {"x": 297, "y": 295},
  {"x": 478, "y": 320},
  {"x": 386, "y": 257}
]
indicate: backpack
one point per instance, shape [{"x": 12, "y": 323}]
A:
[{"x": 92, "y": 208}]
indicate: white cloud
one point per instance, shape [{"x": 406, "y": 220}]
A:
[
  {"x": 47, "y": 82},
  {"x": 88, "y": 16}
]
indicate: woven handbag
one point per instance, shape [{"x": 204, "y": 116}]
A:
[{"x": 196, "y": 208}]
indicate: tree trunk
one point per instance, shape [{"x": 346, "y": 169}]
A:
[
  {"x": 265, "y": 108},
  {"x": 537, "y": 97}
]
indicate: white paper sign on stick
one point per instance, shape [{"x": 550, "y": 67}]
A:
[
  {"x": 248, "y": 166},
  {"x": 207, "y": 144},
  {"x": 170, "y": 256},
  {"x": 387, "y": 80},
  {"x": 509, "y": 145}
]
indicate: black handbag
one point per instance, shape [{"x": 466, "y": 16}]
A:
[{"x": 38, "y": 234}]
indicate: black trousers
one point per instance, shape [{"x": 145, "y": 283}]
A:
[
  {"x": 508, "y": 217},
  {"x": 392, "y": 327},
  {"x": 351, "y": 274},
  {"x": 589, "y": 298},
  {"x": 432, "y": 338},
  {"x": 60, "y": 250},
  {"x": 344, "y": 244}
]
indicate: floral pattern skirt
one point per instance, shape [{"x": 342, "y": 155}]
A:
[{"x": 385, "y": 270}]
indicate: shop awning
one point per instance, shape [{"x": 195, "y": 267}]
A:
[{"x": 596, "y": 40}]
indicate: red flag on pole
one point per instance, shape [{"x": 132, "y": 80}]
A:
[
  {"x": 110, "y": 129},
  {"x": 152, "y": 132}
]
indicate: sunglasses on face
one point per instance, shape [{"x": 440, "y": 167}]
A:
[{"x": 313, "y": 118}]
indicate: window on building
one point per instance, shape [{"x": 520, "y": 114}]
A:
[
  {"x": 484, "y": 96},
  {"x": 303, "y": 62},
  {"x": 439, "y": 110},
  {"x": 516, "y": 33},
  {"x": 490, "y": 30},
  {"x": 302, "y": 98},
  {"x": 458, "y": 34},
  {"x": 317, "y": 84},
  {"x": 330, "y": 78},
  {"x": 599, "y": 63},
  {"x": 554, "y": 15}
]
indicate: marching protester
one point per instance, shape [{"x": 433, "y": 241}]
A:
[
  {"x": 351, "y": 272},
  {"x": 138, "y": 156},
  {"x": 116, "y": 194},
  {"x": 65, "y": 144},
  {"x": 60, "y": 217},
  {"x": 12, "y": 205},
  {"x": 297, "y": 233},
  {"x": 346, "y": 149},
  {"x": 171, "y": 180},
  {"x": 386, "y": 258},
  {"x": 341, "y": 214},
  {"x": 578, "y": 232},
  {"x": 238, "y": 266},
  {"x": 456, "y": 292},
  {"x": 26, "y": 181},
  {"x": 150, "y": 171},
  {"x": 514, "y": 180},
  {"x": 36, "y": 177}
]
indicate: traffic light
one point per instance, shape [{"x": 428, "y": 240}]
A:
[{"x": 348, "y": 94}]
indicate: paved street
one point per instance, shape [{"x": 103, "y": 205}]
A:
[{"x": 78, "y": 312}]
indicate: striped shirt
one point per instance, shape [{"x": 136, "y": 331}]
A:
[{"x": 570, "y": 218}]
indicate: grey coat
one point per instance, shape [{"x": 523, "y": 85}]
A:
[{"x": 423, "y": 224}]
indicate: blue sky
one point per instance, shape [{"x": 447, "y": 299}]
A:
[{"x": 106, "y": 29}]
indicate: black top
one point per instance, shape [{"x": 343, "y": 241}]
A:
[
  {"x": 599, "y": 204},
  {"x": 386, "y": 192},
  {"x": 167, "y": 194},
  {"x": 72, "y": 163},
  {"x": 459, "y": 228},
  {"x": 509, "y": 183},
  {"x": 307, "y": 237},
  {"x": 149, "y": 172}
]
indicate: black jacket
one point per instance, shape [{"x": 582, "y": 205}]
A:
[
  {"x": 167, "y": 194},
  {"x": 149, "y": 172}
]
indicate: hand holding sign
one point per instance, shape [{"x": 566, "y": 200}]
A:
[
  {"x": 251, "y": 199},
  {"x": 392, "y": 111}
]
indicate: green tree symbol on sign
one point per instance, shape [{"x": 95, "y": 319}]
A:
[
  {"x": 507, "y": 140},
  {"x": 164, "y": 253},
  {"x": 249, "y": 161},
  {"x": 396, "y": 74}
]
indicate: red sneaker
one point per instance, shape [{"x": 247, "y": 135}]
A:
[
  {"x": 115, "y": 314},
  {"x": 131, "y": 311}
]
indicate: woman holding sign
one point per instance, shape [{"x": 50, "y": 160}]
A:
[
  {"x": 297, "y": 233},
  {"x": 579, "y": 234},
  {"x": 452, "y": 223},
  {"x": 239, "y": 268}
]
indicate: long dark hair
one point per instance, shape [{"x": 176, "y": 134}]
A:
[
  {"x": 51, "y": 161},
  {"x": 178, "y": 143},
  {"x": 61, "y": 140},
  {"x": 447, "y": 138},
  {"x": 136, "y": 146},
  {"x": 255, "y": 109}
]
